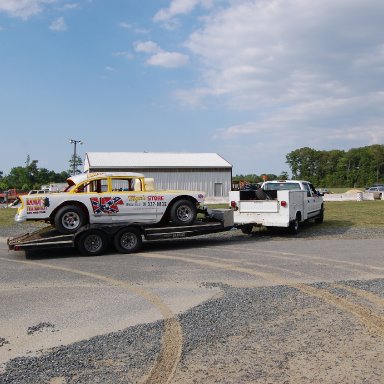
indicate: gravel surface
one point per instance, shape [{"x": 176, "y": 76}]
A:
[{"x": 246, "y": 335}]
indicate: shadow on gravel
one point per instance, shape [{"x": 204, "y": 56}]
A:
[{"x": 307, "y": 231}]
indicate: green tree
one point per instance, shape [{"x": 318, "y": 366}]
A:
[{"x": 74, "y": 163}]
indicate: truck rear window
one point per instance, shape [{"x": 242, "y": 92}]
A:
[{"x": 280, "y": 186}]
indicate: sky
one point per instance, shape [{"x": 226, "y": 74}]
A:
[{"x": 251, "y": 80}]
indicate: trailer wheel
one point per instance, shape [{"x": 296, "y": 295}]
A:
[
  {"x": 69, "y": 219},
  {"x": 127, "y": 240},
  {"x": 92, "y": 242},
  {"x": 183, "y": 212}
]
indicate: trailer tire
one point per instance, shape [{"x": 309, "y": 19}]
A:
[
  {"x": 69, "y": 219},
  {"x": 92, "y": 242},
  {"x": 127, "y": 240},
  {"x": 183, "y": 212}
]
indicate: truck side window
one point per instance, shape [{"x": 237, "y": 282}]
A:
[
  {"x": 308, "y": 189},
  {"x": 313, "y": 190}
]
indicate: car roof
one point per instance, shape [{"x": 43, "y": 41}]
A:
[{"x": 76, "y": 179}]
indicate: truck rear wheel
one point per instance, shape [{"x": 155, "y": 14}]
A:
[
  {"x": 92, "y": 242},
  {"x": 293, "y": 228},
  {"x": 69, "y": 219},
  {"x": 247, "y": 229},
  {"x": 183, "y": 212},
  {"x": 127, "y": 240}
]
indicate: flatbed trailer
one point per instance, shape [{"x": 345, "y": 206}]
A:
[{"x": 94, "y": 239}]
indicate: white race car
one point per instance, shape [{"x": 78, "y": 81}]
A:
[{"x": 118, "y": 197}]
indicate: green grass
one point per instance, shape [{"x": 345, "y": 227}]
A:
[
  {"x": 7, "y": 216},
  {"x": 337, "y": 213},
  {"x": 354, "y": 213}
]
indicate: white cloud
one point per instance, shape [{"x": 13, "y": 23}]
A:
[
  {"x": 159, "y": 57},
  {"x": 147, "y": 47},
  {"x": 266, "y": 53},
  {"x": 180, "y": 7},
  {"x": 125, "y": 54},
  {"x": 133, "y": 27},
  {"x": 58, "y": 25},
  {"x": 23, "y": 9},
  {"x": 308, "y": 72},
  {"x": 168, "y": 60},
  {"x": 69, "y": 6}
]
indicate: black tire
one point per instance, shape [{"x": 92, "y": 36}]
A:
[
  {"x": 92, "y": 242},
  {"x": 293, "y": 228},
  {"x": 127, "y": 240},
  {"x": 320, "y": 218},
  {"x": 261, "y": 195},
  {"x": 247, "y": 229},
  {"x": 69, "y": 219},
  {"x": 183, "y": 212}
]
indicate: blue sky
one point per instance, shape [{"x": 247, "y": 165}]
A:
[{"x": 249, "y": 79}]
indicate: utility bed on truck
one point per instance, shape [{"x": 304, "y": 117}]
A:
[{"x": 93, "y": 239}]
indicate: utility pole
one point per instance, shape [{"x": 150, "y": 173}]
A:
[{"x": 74, "y": 142}]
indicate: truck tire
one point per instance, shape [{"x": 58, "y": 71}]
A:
[
  {"x": 320, "y": 218},
  {"x": 69, "y": 219},
  {"x": 293, "y": 228},
  {"x": 247, "y": 229},
  {"x": 183, "y": 212},
  {"x": 127, "y": 240},
  {"x": 92, "y": 242}
]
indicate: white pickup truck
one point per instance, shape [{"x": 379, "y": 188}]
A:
[{"x": 283, "y": 203}]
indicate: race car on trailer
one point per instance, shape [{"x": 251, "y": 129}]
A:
[{"x": 107, "y": 198}]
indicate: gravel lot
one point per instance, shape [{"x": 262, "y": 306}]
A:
[{"x": 273, "y": 333}]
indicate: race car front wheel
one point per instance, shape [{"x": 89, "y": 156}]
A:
[{"x": 69, "y": 219}]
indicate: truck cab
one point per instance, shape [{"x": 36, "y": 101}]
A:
[{"x": 313, "y": 197}]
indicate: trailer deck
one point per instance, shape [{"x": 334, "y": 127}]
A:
[{"x": 92, "y": 239}]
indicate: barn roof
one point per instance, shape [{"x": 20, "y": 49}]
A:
[{"x": 154, "y": 160}]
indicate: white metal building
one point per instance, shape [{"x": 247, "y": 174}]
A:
[{"x": 207, "y": 172}]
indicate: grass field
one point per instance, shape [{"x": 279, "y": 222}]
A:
[{"x": 337, "y": 213}]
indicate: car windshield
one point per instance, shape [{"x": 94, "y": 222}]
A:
[{"x": 281, "y": 186}]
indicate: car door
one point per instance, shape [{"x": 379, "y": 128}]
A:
[
  {"x": 131, "y": 201},
  {"x": 314, "y": 201}
]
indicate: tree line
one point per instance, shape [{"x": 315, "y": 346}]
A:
[
  {"x": 32, "y": 177},
  {"x": 357, "y": 167}
]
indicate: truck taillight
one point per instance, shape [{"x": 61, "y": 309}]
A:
[{"x": 283, "y": 203}]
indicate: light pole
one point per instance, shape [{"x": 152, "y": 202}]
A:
[{"x": 74, "y": 142}]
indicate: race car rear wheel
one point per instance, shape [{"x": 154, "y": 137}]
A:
[
  {"x": 69, "y": 219},
  {"x": 183, "y": 212}
]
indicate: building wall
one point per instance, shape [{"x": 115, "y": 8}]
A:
[{"x": 216, "y": 182}]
